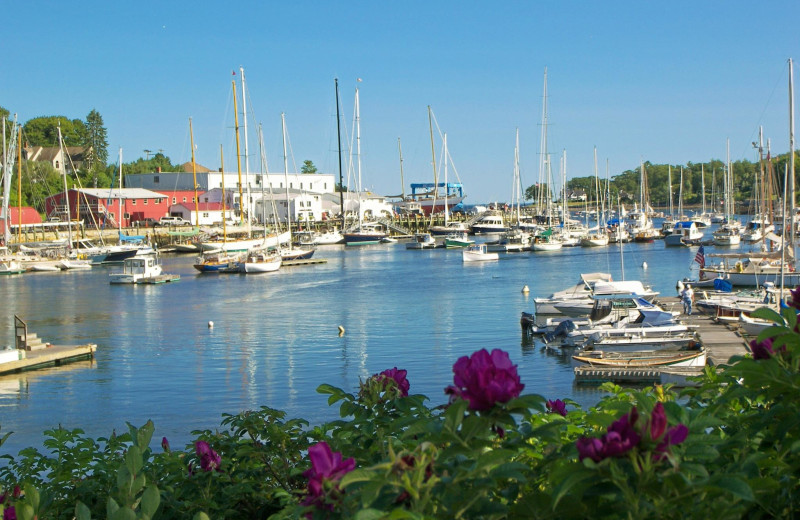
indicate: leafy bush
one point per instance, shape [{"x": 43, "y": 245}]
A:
[{"x": 727, "y": 448}]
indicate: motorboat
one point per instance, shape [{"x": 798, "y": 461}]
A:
[
  {"x": 457, "y": 239},
  {"x": 511, "y": 241},
  {"x": 422, "y": 241},
  {"x": 581, "y": 290},
  {"x": 584, "y": 307},
  {"x": 218, "y": 262},
  {"x": 684, "y": 233},
  {"x": 138, "y": 269},
  {"x": 491, "y": 222},
  {"x": 478, "y": 253}
]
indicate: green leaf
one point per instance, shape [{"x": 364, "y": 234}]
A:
[
  {"x": 733, "y": 485},
  {"x": 150, "y": 500},
  {"x": 124, "y": 513},
  {"x": 25, "y": 512},
  {"x": 573, "y": 479},
  {"x": 133, "y": 460},
  {"x": 201, "y": 516},
  {"x": 454, "y": 415},
  {"x": 369, "y": 514},
  {"x": 82, "y": 512},
  {"x": 357, "y": 475},
  {"x": 111, "y": 507}
]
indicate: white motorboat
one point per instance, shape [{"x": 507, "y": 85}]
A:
[
  {"x": 512, "y": 241},
  {"x": 10, "y": 266},
  {"x": 422, "y": 241},
  {"x": 684, "y": 233},
  {"x": 491, "y": 222},
  {"x": 138, "y": 269},
  {"x": 69, "y": 263},
  {"x": 584, "y": 307},
  {"x": 478, "y": 253},
  {"x": 582, "y": 290}
]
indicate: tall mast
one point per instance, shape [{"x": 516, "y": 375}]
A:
[
  {"x": 517, "y": 184},
  {"x": 222, "y": 168},
  {"x": 194, "y": 177},
  {"x": 703, "y": 185},
  {"x": 433, "y": 156},
  {"x": 358, "y": 155},
  {"x": 669, "y": 182},
  {"x": 286, "y": 176},
  {"x": 444, "y": 144},
  {"x": 729, "y": 205},
  {"x": 791, "y": 153},
  {"x": 544, "y": 158},
  {"x": 339, "y": 147},
  {"x": 402, "y": 181},
  {"x": 66, "y": 190},
  {"x": 19, "y": 188},
  {"x": 246, "y": 154},
  {"x": 238, "y": 156}
]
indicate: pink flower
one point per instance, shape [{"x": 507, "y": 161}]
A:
[
  {"x": 9, "y": 513},
  {"x": 675, "y": 435},
  {"x": 558, "y": 406},
  {"x": 326, "y": 466},
  {"x": 398, "y": 376},
  {"x": 762, "y": 350},
  {"x": 658, "y": 421},
  {"x": 621, "y": 438},
  {"x": 209, "y": 459},
  {"x": 485, "y": 379},
  {"x": 165, "y": 444}
]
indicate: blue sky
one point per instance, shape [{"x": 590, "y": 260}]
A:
[{"x": 654, "y": 81}]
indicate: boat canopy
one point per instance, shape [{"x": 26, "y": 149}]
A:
[{"x": 132, "y": 238}]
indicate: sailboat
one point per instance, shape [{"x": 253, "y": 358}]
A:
[
  {"x": 365, "y": 232},
  {"x": 638, "y": 221},
  {"x": 545, "y": 241},
  {"x": 729, "y": 233},
  {"x": 219, "y": 260},
  {"x": 598, "y": 237},
  {"x": 287, "y": 252},
  {"x": 684, "y": 231}
]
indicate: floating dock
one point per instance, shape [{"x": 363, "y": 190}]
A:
[
  {"x": 52, "y": 355},
  {"x": 162, "y": 278},
  {"x": 310, "y": 261},
  {"x": 721, "y": 342}
]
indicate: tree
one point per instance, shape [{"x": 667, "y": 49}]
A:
[
  {"x": 308, "y": 167},
  {"x": 43, "y": 131},
  {"x": 97, "y": 145}
]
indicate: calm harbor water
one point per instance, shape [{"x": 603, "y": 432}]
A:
[{"x": 275, "y": 336}]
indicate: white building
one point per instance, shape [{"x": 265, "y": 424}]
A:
[
  {"x": 210, "y": 213},
  {"x": 208, "y": 180}
]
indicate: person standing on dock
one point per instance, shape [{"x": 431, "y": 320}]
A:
[{"x": 687, "y": 297}]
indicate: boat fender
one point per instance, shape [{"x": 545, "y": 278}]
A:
[{"x": 739, "y": 267}]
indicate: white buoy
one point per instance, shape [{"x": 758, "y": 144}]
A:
[
  {"x": 525, "y": 289},
  {"x": 644, "y": 265},
  {"x": 210, "y": 324}
]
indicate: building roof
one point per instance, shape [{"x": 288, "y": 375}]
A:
[
  {"x": 202, "y": 206},
  {"x": 125, "y": 193},
  {"x": 29, "y": 215},
  {"x": 199, "y": 168}
]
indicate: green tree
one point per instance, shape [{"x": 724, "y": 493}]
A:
[
  {"x": 43, "y": 131},
  {"x": 142, "y": 165},
  {"x": 97, "y": 145},
  {"x": 4, "y": 113},
  {"x": 308, "y": 167}
]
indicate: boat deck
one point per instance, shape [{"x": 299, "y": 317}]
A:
[{"x": 52, "y": 355}]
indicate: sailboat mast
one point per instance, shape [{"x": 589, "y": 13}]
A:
[
  {"x": 238, "y": 156},
  {"x": 444, "y": 145},
  {"x": 402, "y": 181},
  {"x": 246, "y": 152},
  {"x": 517, "y": 183},
  {"x": 433, "y": 157},
  {"x": 119, "y": 199},
  {"x": 339, "y": 148},
  {"x": 224, "y": 218},
  {"x": 66, "y": 191},
  {"x": 286, "y": 175},
  {"x": 791, "y": 154},
  {"x": 729, "y": 205},
  {"x": 19, "y": 188},
  {"x": 544, "y": 158},
  {"x": 669, "y": 183},
  {"x": 703, "y": 186},
  {"x": 358, "y": 155},
  {"x": 194, "y": 176}
]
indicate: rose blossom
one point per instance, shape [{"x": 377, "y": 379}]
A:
[
  {"x": 209, "y": 459},
  {"x": 762, "y": 349},
  {"x": 326, "y": 465},
  {"x": 484, "y": 379},
  {"x": 398, "y": 376},
  {"x": 558, "y": 406}
]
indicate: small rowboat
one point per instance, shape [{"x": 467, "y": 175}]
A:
[{"x": 662, "y": 358}]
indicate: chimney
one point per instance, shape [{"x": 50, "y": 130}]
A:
[{"x": 158, "y": 169}]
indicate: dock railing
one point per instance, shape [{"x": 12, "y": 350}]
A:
[{"x": 20, "y": 332}]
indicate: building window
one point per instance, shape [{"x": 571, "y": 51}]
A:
[
  {"x": 205, "y": 215},
  {"x": 57, "y": 166},
  {"x": 145, "y": 202},
  {"x": 184, "y": 199},
  {"x": 326, "y": 186},
  {"x": 301, "y": 185},
  {"x": 133, "y": 202},
  {"x": 155, "y": 179},
  {"x": 174, "y": 200}
]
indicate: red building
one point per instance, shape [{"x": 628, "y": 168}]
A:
[
  {"x": 108, "y": 207},
  {"x": 29, "y": 216}
]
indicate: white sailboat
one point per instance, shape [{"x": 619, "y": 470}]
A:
[
  {"x": 729, "y": 233},
  {"x": 363, "y": 233},
  {"x": 598, "y": 237},
  {"x": 545, "y": 240}
]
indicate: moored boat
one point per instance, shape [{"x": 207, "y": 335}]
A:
[
  {"x": 478, "y": 253},
  {"x": 643, "y": 359}
]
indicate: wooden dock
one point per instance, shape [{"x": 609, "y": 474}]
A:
[
  {"x": 52, "y": 355},
  {"x": 721, "y": 341},
  {"x": 310, "y": 261}
]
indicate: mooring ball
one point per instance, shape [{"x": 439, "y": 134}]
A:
[{"x": 210, "y": 324}]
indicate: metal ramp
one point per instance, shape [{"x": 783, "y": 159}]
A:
[{"x": 397, "y": 228}]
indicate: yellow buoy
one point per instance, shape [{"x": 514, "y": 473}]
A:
[
  {"x": 341, "y": 330},
  {"x": 525, "y": 289}
]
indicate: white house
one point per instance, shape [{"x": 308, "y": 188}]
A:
[
  {"x": 210, "y": 212},
  {"x": 369, "y": 205},
  {"x": 302, "y": 207}
]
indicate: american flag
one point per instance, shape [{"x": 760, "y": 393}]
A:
[{"x": 700, "y": 257}]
